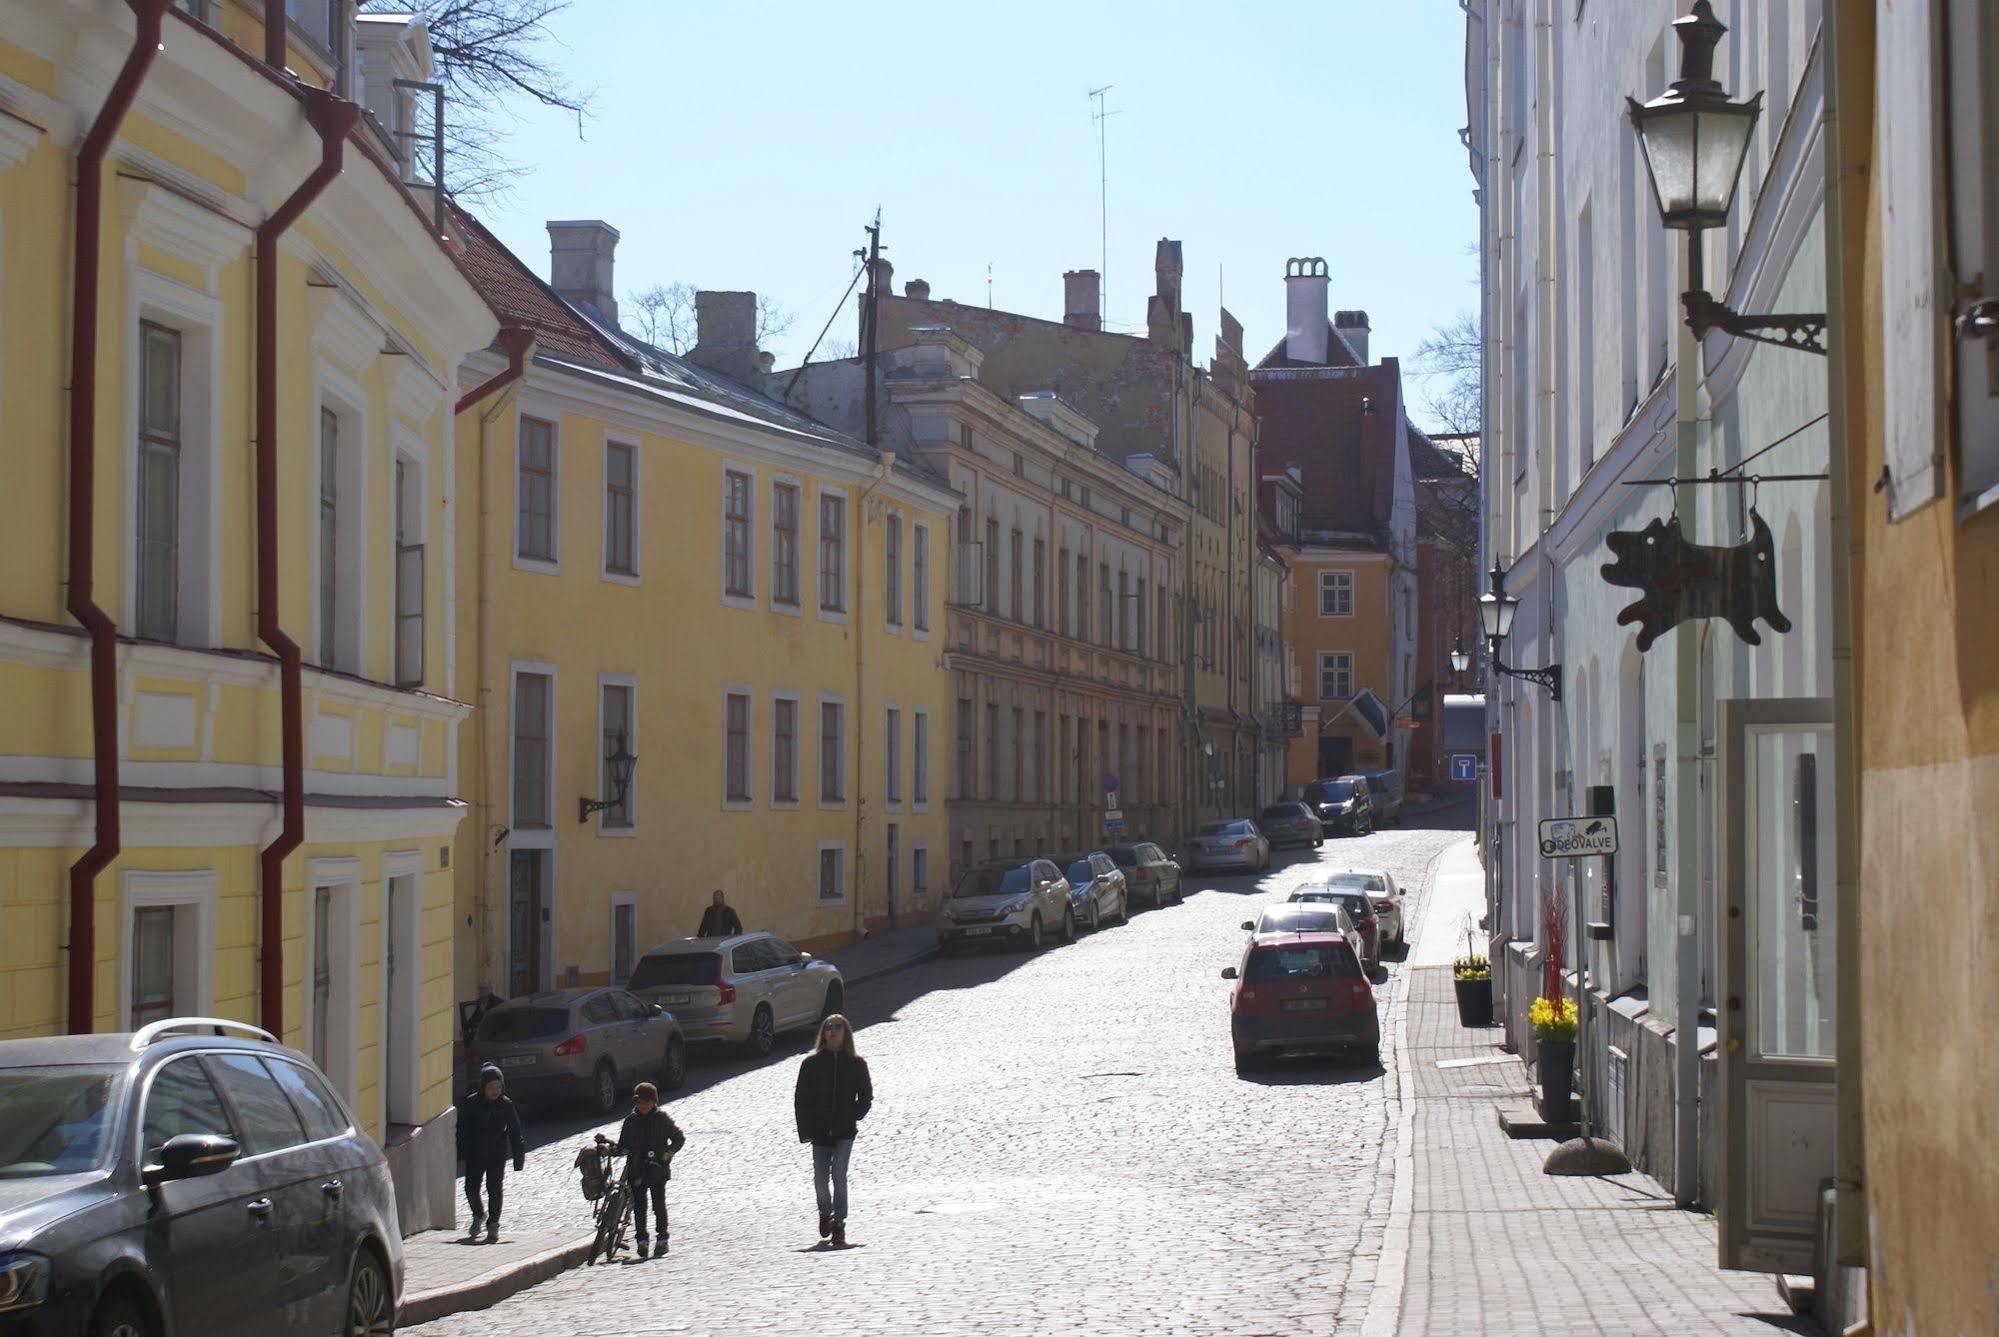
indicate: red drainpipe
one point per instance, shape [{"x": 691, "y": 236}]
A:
[
  {"x": 518, "y": 340},
  {"x": 276, "y": 28},
  {"x": 81, "y": 600},
  {"x": 334, "y": 119}
]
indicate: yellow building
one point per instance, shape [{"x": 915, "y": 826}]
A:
[
  {"x": 228, "y": 758},
  {"x": 1340, "y": 629},
  {"x": 661, "y": 563}
]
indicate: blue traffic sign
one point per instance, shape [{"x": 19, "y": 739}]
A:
[{"x": 1464, "y": 766}]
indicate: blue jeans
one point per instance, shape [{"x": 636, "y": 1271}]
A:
[{"x": 829, "y": 1176}]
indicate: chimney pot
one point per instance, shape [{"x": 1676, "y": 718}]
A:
[
  {"x": 1306, "y": 326},
  {"x": 917, "y": 290},
  {"x": 581, "y": 264},
  {"x": 1353, "y": 327},
  {"x": 1082, "y": 299}
]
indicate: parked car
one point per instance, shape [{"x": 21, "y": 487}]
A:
[
  {"x": 194, "y": 1177},
  {"x": 1387, "y": 897},
  {"x": 1298, "y": 917},
  {"x": 1360, "y": 909},
  {"x": 1229, "y": 843},
  {"x": 1342, "y": 805},
  {"x": 1149, "y": 872},
  {"x": 1302, "y": 994},
  {"x": 746, "y": 989},
  {"x": 1018, "y": 902},
  {"x": 1097, "y": 892},
  {"x": 581, "y": 1044},
  {"x": 1384, "y": 788},
  {"x": 1291, "y": 824}
]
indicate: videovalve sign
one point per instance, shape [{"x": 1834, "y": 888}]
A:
[{"x": 1577, "y": 837}]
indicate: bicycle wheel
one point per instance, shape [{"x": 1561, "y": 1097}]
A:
[
  {"x": 608, "y": 1213},
  {"x": 621, "y": 1228}
]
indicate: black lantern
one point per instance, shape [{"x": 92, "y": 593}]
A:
[
  {"x": 619, "y": 764},
  {"x": 1694, "y": 140},
  {"x": 1460, "y": 659},
  {"x": 1495, "y": 614}
]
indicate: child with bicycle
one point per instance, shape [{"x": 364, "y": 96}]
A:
[{"x": 649, "y": 1138}]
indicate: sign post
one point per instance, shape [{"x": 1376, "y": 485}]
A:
[{"x": 1579, "y": 838}]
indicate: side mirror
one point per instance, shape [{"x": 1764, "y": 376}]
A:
[
  {"x": 1228, "y": 972},
  {"x": 192, "y": 1156},
  {"x": 1248, "y": 925},
  {"x": 795, "y": 959},
  {"x": 805, "y": 956},
  {"x": 659, "y": 1009}
]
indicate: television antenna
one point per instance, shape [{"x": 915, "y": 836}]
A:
[{"x": 1099, "y": 113}]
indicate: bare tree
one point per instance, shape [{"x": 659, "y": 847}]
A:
[
  {"x": 493, "y": 59},
  {"x": 1450, "y": 359},
  {"x": 837, "y": 350},
  {"x": 663, "y": 315}
]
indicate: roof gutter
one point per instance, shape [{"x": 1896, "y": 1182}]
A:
[
  {"x": 518, "y": 342},
  {"x": 81, "y": 599}
]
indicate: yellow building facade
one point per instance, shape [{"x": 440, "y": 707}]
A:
[
  {"x": 167, "y": 460},
  {"x": 1340, "y": 630},
  {"x": 669, "y": 566}
]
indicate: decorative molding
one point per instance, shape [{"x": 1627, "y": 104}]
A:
[
  {"x": 330, "y": 737},
  {"x": 217, "y": 775},
  {"x": 402, "y": 745},
  {"x": 415, "y": 393},
  {"x": 17, "y": 138},
  {"x": 342, "y": 327},
  {"x": 37, "y": 823},
  {"x": 159, "y": 217},
  {"x": 164, "y": 721}
]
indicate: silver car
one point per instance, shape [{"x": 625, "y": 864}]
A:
[
  {"x": 1232, "y": 843},
  {"x": 1097, "y": 893},
  {"x": 589, "y": 1044},
  {"x": 1380, "y": 888},
  {"x": 1018, "y": 903},
  {"x": 743, "y": 990},
  {"x": 1307, "y": 917}
]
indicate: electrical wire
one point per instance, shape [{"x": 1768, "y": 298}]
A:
[
  {"x": 1803, "y": 427},
  {"x": 838, "y": 307}
]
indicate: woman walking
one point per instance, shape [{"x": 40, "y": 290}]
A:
[{"x": 832, "y": 1097}]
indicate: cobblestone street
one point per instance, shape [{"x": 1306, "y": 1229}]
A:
[{"x": 1059, "y": 1143}]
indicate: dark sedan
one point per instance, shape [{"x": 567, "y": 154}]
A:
[{"x": 1291, "y": 824}]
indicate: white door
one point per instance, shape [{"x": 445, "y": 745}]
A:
[{"x": 1777, "y": 973}]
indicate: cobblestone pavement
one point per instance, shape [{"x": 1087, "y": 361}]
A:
[{"x": 1060, "y": 1143}]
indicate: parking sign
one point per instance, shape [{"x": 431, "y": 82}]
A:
[{"x": 1464, "y": 766}]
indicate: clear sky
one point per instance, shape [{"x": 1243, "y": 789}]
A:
[{"x": 743, "y": 146}]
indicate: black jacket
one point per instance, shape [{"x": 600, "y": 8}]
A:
[
  {"x": 719, "y": 921},
  {"x": 489, "y": 1130},
  {"x": 833, "y": 1095},
  {"x": 650, "y": 1139}
]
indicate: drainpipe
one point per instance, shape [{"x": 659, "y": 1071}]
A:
[
  {"x": 518, "y": 341},
  {"x": 277, "y": 27},
  {"x": 857, "y": 726},
  {"x": 333, "y": 118},
  {"x": 81, "y": 600}
]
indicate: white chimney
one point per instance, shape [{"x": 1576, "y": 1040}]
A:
[
  {"x": 1305, "y": 325},
  {"x": 1353, "y": 327},
  {"x": 581, "y": 257},
  {"x": 1082, "y": 305}
]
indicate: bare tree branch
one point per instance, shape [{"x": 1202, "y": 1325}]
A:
[
  {"x": 663, "y": 315},
  {"x": 1450, "y": 359}
]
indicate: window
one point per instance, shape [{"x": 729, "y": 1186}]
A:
[
  {"x": 1165, "y": 636},
  {"x": 736, "y": 753},
  {"x": 992, "y": 566},
  {"x": 620, "y": 512},
  {"x": 1165, "y": 770},
  {"x": 181, "y": 1099},
  {"x": 408, "y": 638},
  {"x": 159, "y": 471},
  {"x": 534, "y": 538},
  {"x": 1336, "y": 594},
  {"x": 1138, "y": 642},
  {"x": 1124, "y": 640},
  {"x": 967, "y": 751},
  {"x": 531, "y": 691},
  {"x": 1062, "y": 623},
  {"x": 1335, "y": 675},
  {"x": 1016, "y": 594},
  {"x": 892, "y": 754},
  {"x": 624, "y": 938},
  {"x": 919, "y": 769},
  {"x": 784, "y": 544},
  {"x": 269, "y": 1121},
  {"x": 919, "y": 871},
  {"x": 329, "y": 536},
  {"x": 784, "y": 750},
  {"x": 992, "y": 749},
  {"x": 736, "y": 535},
  {"x": 832, "y": 873},
  {"x": 1037, "y": 775},
  {"x": 615, "y": 710},
  {"x": 152, "y": 964},
  {"x": 194, "y": 9},
  {"x": 832, "y": 753},
  {"x": 1082, "y": 628},
  {"x": 1019, "y": 740},
  {"x": 1106, "y": 610},
  {"x": 313, "y": 1101},
  {"x": 1041, "y": 582},
  {"x": 832, "y": 553},
  {"x": 892, "y": 569},
  {"x": 919, "y": 577}
]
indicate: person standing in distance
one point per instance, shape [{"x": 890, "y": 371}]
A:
[
  {"x": 489, "y": 1127},
  {"x": 833, "y": 1095},
  {"x": 720, "y": 919}
]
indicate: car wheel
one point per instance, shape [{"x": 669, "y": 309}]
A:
[
  {"x": 1034, "y": 933},
  {"x": 1318, "y": 841},
  {"x": 1094, "y": 917},
  {"x": 763, "y": 1031},
  {"x": 371, "y": 1310},
  {"x": 673, "y": 1068},
  {"x": 1370, "y": 1057},
  {"x": 1068, "y": 924},
  {"x": 1124, "y": 908},
  {"x": 1245, "y": 1060},
  {"x": 836, "y": 997},
  {"x": 120, "y": 1318},
  {"x": 604, "y": 1088}
]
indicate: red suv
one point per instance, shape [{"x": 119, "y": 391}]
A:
[{"x": 1302, "y": 993}]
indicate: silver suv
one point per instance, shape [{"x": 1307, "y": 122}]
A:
[
  {"x": 1018, "y": 902},
  {"x": 743, "y": 990}
]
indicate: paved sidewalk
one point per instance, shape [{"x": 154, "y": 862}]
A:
[
  {"x": 884, "y": 953},
  {"x": 1483, "y": 1240}
]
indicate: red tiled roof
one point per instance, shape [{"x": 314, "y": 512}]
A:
[{"x": 521, "y": 298}]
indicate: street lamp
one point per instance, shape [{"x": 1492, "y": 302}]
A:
[
  {"x": 1495, "y": 614},
  {"x": 620, "y": 763},
  {"x": 1460, "y": 659},
  {"x": 1694, "y": 141}
]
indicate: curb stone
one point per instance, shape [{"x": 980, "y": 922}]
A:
[{"x": 483, "y": 1292}]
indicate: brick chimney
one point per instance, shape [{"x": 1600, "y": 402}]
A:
[
  {"x": 1305, "y": 325},
  {"x": 725, "y": 334},
  {"x": 581, "y": 256},
  {"x": 917, "y": 290},
  {"x": 1082, "y": 300},
  {"x": 1353, "y": 327}
]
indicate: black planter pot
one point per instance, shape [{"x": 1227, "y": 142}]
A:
[
  {"x": 1475, "y": 1002},
  {"x": 1556, "y": 1067}
]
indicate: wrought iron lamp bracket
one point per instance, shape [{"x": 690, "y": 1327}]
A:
[{"x": 1802, "y": 331}]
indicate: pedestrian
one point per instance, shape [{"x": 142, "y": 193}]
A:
[
  {"x": 720, "y": 919},
  {"x": 489, "y": 1128},
  {"x": 649, "y": 1138},
  {"x": 832, "y": 1097}
]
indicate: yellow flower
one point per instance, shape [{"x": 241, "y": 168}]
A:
[{"x": 1553, "y": 1018}]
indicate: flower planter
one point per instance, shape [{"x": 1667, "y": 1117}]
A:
[
  {"x": 1475, "y": 1002},
  {"x": 1555, "y": 1065}
]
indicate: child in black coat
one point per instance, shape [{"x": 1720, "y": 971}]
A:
[
  {"x": 489, "y": 1127},
  {"x": 649, "y": 1138}
]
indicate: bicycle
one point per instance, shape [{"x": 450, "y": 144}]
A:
[{"x": 612, "y": 1196}]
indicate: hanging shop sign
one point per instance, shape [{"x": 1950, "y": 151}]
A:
[{"x": 1682, "y": 580}]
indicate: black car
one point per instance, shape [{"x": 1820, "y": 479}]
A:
[
  {"x": 1342, "y": 805},
  {"x": 194, "y": 1177},
  {"x": 1149, "y": 872}
]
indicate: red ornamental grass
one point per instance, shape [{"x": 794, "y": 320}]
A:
[{"x": 1554, "y": 925}]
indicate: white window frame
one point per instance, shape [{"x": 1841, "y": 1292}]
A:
[
  {"x": 620, "y": 899},
  {"x": 409, "y": 452},
  {"x": 745, "y": 691},
  {"x": 333, "y": 389},
  {"x": 819, "y": 896},
  {"x": 796, "y": 608},
  {"x": 892, "y": 720},
  {"x": 1330, "y": 582},
  {"x": 191, "y": 894},
  {"x": 919, "y": 872},
  {"x": 630, "y": 682},
  {"x": 626, "y": 442},
  {"x": 533, "y": 837},
  {"x": 819, "y": 749},
  {"x": 819, "y": 499},
  {"x": 552, "y": 565},
  {"x": 343, "y": 1040},
  {"x": 750, "y": 544},
  {"x": 1325, "y": 659},
  {"x": 919, "y": 764},
  {"x": 797, "y": 748},
  {"x": 895, "y": 613}
]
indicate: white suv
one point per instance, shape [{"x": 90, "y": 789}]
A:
[{"x": 1020, "y": 902}]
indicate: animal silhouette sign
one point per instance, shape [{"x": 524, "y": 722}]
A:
[{"x": 1684, "y": 580}]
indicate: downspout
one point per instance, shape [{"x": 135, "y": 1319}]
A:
[
  {"x": 81, "y": 600},
  {"x": 884, "y": 464},
  {"x": 333, "y": 118}
]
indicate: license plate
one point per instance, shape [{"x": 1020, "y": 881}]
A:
[
  {"x": 676, "y": 999},
  {"x": 517, "y": 1061},
  {"x": 1304, "y": 1005},
  {"x": 972, "y": 932}
]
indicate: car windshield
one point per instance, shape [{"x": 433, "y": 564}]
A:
[
  {"x": 1081, "y": 872},
  {"x": 509, "y": 1025},
  {"x": 55, "y": 1120},
  {"x": 1316, "y": 961},
  {"x": 991, "y": 882},
  {"x": 1337, "y": 791},
  {"x": 671, "y": 968},
  {"x": 1299, "y": 919},
  {"x": 1283, "y": 811},
  {"x": 1357, "y": 882},
  {"x": 1124, "y": 856},
  {"x": 1356, "y": 905}
]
